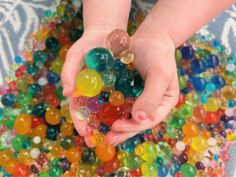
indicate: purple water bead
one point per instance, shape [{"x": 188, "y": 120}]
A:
[
  {"x": 200, "y": 166},
  {"x": 93, "y": 104}
]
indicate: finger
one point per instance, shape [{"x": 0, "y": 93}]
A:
[
  {"x": 80, "y": 126},
  {"x": 88, "y": 141},
  {"x": 114, "y": 138},
  {"x": 72, "y": 65},
  {"x": 156, "y": 84}
]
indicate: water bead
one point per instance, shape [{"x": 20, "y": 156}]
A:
[
  {"x": 99, "y": 59},
  {"x": 73, "y": 154},
  {"x": 199, "y": 83},
  {"x": 118, "y": 67},
  {"x": 127, "y": 57},
  {"x": 116, "y": 98},
  {"x": 212, "y": 61},
  {"x": 188, "y": 170},
  {"x": 52, "y": 78},
  {"x": 132, "y": 161},
  {"x": 36, "y": 140},
  {"x": 22, "y": 124},
  {"x": 57, "y": 65},
  {"x": 8, "y": 99},
  {"x": 88, "y": 79},
  {"x": 199, "y": 144},
  {"x": 88, "y": 156},
  {"x": 52, "y": 44},
  {"x": 42, "y": 81},
  {"x": 53, "y": 116},
  {"x": 93, "y": 104},
  {"x": 108, "y": 78},
  {"x": 66, "y": 129},
  {"x": 218, "y": 81},
  {"x": 190, "y": 129},
  {"x": 149, "y": 169},
  {"x": 118, "y": 41},
  {"x": 103, "y": 97},
  {"x": 83, "y": 113},
  {"x": 40, "y": 130},
  {"x": 187, "y": 52},
  {"x": 212, "y": 104},
  {"x": 180, "y": 146},
  {"x": 109, "y": 149},
  {"x": 197, "y": 66},
  {"x": 21, "y": 170}
]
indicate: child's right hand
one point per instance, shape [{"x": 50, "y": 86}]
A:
[{"x": 73, "y": 64}]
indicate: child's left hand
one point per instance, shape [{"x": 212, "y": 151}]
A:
[{"x": 154, "y": 59}]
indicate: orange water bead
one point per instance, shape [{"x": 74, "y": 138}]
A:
[
  {"x": 199, "y": 114},
  {"x": 5, "y": 157},
  {"x": 111, "y": 166},
  {"x": 97, "y": 138},
  {"x": 228, "y": 92},
  {"x": 63, "y": 51},
  {"x": 24, "y": 157},
  {"x": 66, "y": 129},
  {"x": 52, "y": 100},
  {"x": 187, "y": 140},
  {"x": 64, "y": 39},
  {"x": 53, "y": 116},
  {"x": 22, "y": 123},
  {"x": 21, "y": 170},
  {"x": 116, "y": 98},
  {"x": 105, "y": 152},
  {"x": 73, "y": 155},
  {"x": 40, "y": 130},
  {"x": 10, "y": 166},
  {"x": 190, "y": 129},
  {"x": 57, "y": 151},
  {"x": 206, "y": 134}
]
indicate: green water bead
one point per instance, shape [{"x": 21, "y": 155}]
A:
[
  {"x": 132, "y": 161},
  {"x": 34, "y": 88},
  {"x": 44, "y": 174},
  {"x": 55, "y": 171},
  {"x": 52, "y": 44},
  {"x": 185, "y": 111},
  {"x": 59, "y": 93},
  {"x": 67, "y": 143},
  {"x": 164, "y": 150},
  {"x": 149, "y": 169},
  {"x": 18, "y": 142},
  {"x": 188, "y": 170},
  {"x": 40, "y": 58},
  {"x": 57, "y": 65},
  {"x": 108, "y": 78},
  {"x": 182, "y": 82},
  {"x": 99, "y": 59},
  {"x": 31, "y": 69},
  {"x": 136, "y": 91},
  {"x": 88, "y": 156},
  {"x": 24, "y": 98},
  {"x": 176, "y": 122},
  {"x": 10, "y": 120}
]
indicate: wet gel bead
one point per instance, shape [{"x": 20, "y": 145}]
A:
[
  {"x": 99, "y": 59},
  {"x": 118, "y": 41},
  {"x": 199, "y": 144},
  {"x": 110, "y": 152},
  {"x": 116, "y": 98},
  {"x": 127, "y": 57},
  {"x": 188, "y": 170},
  {"x": 53, "y": 116},
  {"x": 22, "y": 124},
  {"x": 88, "y": 79}
]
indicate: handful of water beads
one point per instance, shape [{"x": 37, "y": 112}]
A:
[{"x": 37, "y": 136}]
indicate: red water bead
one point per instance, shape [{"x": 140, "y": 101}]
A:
[
  {"x": 79, "y": 141},
  {"x": 40, "y": 96},
  {"x": 181, "y": 101},
  {"x": 36, "y": 121},
  {"x": 134, "y": 173},
  {"x": 52, "y": 100},
  {"x": 178, "y": 174},
  {"x": 12, "y": 86},
  {"x": 39, "y": 73},
  {"x": 42, "y": 159},
  {"x": 211, "y": 118},
  {"x": 112, "y": 165},
  {"x": 110, "y": 114},
  {"x": 100, "y": 171},
  {"x": 64, "y": 39},
  {"x": 199, "y": 114},
  {"x": 21, "y": 170},
  {"x": 79, "y": 101},
  {"x": 49, "y": 89}
]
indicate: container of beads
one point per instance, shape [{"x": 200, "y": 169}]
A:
[{"x": 37, "y": 136}]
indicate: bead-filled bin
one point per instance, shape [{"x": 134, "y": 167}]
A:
[{"x": 37, "y": 136}]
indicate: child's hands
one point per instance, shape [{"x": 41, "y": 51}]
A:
[
  {"x": 73, "y": 64},
  {"x": 154, "y": 59}
]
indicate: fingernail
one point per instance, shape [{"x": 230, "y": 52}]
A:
[{"x": 141, "y": 116}]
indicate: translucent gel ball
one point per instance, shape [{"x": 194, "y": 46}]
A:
[
  {"x": 99, "y": 59},
  {"x": 88, "y": 83}
]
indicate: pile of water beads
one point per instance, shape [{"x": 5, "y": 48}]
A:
[{"x": 37, "y": 137}]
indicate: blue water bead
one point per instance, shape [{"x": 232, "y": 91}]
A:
[
  {"x": 230, "y": 103},
  {"x": 118, "y": 67},
  {"x": 99, "y": 59},
  {"x": 6, "y": 175},
  {"x": 130, "y": 144},
  {"x": 197, "y": 66},
  {"x": 214, "y": 43},
  {"x": 8, "y": 99},
  {"x": 184, "y": 91},
  {"x": 203, "y": 99},
  {"x": 52, "y": 132},
  {"x": 103, "y": 128},
  {"x": 199, "y": 83},
  {"x": 212, "y": 61},
  {"x": 187, "y": 52},
  {"x": 162, "y": 171},
  {"x": 53, "y": 78},
  {"x": 39, "y": 110},
  {"x": 103, "y": 97},
  {"x": 1, "y": 113},
  {"x": 210, "y": 87},
  {"x": 218, "y": 81},
  {"x": 18, "y": 60},
  {"x": 34, "y": 89}
]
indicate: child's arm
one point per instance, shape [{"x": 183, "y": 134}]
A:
[
  {"x": 169, "y": 24},
  {"x": 181, "y": 18},
  {"x": 106, "y": 14}
]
